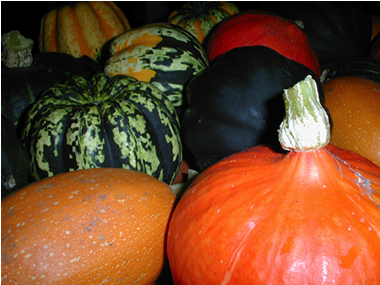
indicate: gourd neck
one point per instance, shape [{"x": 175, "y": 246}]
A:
[
  {"x": 306, "y": 125},
  {"x": 16, "y": 50}
]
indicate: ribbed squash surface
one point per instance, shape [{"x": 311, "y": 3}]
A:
[
  {"x": 103, "y": 122},
  {"x": 162, "y": 54}
]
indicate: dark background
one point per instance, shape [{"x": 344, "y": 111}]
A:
[{"x": 25, "y": 16}]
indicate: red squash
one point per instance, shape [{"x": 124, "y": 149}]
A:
[
  {"x": 254, "y": 27},
  {"x": 308, "y": 216}
]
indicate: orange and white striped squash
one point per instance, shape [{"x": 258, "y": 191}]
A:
[{"x": 82, "y": 29}]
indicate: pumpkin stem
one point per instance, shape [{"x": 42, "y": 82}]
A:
[
  {"x": 306, "y": 125},
  {"x": 16, "y": 50}
]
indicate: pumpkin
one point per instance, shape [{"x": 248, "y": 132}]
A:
[
  {"x": 374, "y": 51},
  {"x": 25, "y": 76},
  {"x": 375, "y": 20},
  {"x": 107, "y": 121},
  {"x": 236, "y": 103},
  {"x": 338, "y": 31},
  {"x": 82, "y": 29},
  {"x": 88, "y": 226},
  {"x": 199, "y": 17},
  {"x": 309, "y": 215},
  {"x": 366, "y": 67},
  {"x": 254, "y": 27},
  {"x": 14, "y": 160},
  {"x": 162, "y": 54},
  {"x": 354, "y": 105}
]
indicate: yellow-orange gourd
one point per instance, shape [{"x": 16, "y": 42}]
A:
[
  {"x": 354, "y": 105},
  {"x": 81, "y": 29},
  {"x": 94, "y": 226}
]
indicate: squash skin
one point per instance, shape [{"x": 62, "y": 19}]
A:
[
  {"x": 199, "y": 21},
  {"x": 233, "y": 107},
  {"x": 354, "y": 105},
  {"x": 107, "y": 121},
  {"x": 14, "y": 160},
  {"x": 21, "y": 87},
  {"x": 162, "y": 54},
  {"x": 255, "y": 27},
  {"x": 81, "y": 29},
  {"x": 86, "y": 227},
  {"x": 338, "y": 31},
  {"x": 258, "y": 217}
]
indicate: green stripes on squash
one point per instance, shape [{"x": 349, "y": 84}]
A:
[
  {"x": 163, "y": 54},
  {"x": 107, "y": 121}
]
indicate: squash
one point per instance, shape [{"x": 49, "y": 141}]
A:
[
  {"x": 354, "y": 105},
  {"x": 199, "y": 17},
  {"x": 23, "y": 80},
  {"x": 374, "y": 51},
  {"x": 236, "y": 103},
  {"x": 14, "y": 160},
  {"x": 92, "y": 226},
  {"x": 162, "y": 54},
  {"x": 366, "y": 67},
  {"x": 307, "y": 216},
  {"x": 254, "y": 27},
  {"x": 81, "y": 29},
  {"x": 338, "y": 31},
  {"x": 107, "y": 121}
]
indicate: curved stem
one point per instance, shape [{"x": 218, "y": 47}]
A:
[{"x": 306, "y": 125}]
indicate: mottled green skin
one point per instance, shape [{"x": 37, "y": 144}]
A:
[
  {"x": 175, "y": 59},
  {"x": 103, "y": 122},
  {"x": 207, "y": 16}
]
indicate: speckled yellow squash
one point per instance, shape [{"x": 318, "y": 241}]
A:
[
  {"x": 163, "y": 54},
  {"x": 82, "y": 29},
  {"x": 198, "y": 17},
  {"x": 107, "y": 121}
]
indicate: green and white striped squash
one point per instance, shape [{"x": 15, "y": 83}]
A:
[
  {"x": 107, "y": 121},
  {"x": 163, "y": 54}
]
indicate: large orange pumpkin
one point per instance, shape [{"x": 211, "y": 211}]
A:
[
  {"x": 354, "y": 105},
  {"x": 260, "y": 217},
  {"x": 86, "y": 227},
  {"x": 82, "y": 29}
]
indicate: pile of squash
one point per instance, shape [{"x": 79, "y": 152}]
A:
[{"x": 224, "y": 145}]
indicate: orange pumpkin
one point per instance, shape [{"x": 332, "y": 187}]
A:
[
  {"x": 354, "y": 105},
  {"x": 86, "y": 227},
  {"x": 82, "y": 29},
  {"x": 308, "y": 216}
]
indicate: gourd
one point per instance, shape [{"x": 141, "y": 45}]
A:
[
  {"x": 366, "y": 67},
  {"x": 81, "y": 29},
  {"x": 254, "y": 27},
  {"x": 24, "y": 76},
  {"x": 162, "y": 54},
  {"x": 107, "y": 121},
  {"x": 199, "y": 17},
  {"x": 338, "y": 31},
  {"x": 14, "y": 160},
  {"x": 236, "y": 103},
  {"x": 354, "y": 105},
  {"x": 93, "y": 226},
  {"x": 309, "y": 215}
]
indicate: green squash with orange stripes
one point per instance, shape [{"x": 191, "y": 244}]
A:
[
  {"x": 165, "y": 55},
  {"x": 107, "y": 121},
  {"x": 199, "y": 17}
]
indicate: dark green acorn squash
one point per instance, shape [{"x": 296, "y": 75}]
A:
[
  {"x": 103, "y": 122},
  {"x": 338, "y": 31},
  {"x": 22, "y": 82},
  {"x": 366, "y": 67},
  {"x": 14, "y": 160},
  {"x": 236, "y": 103}
]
